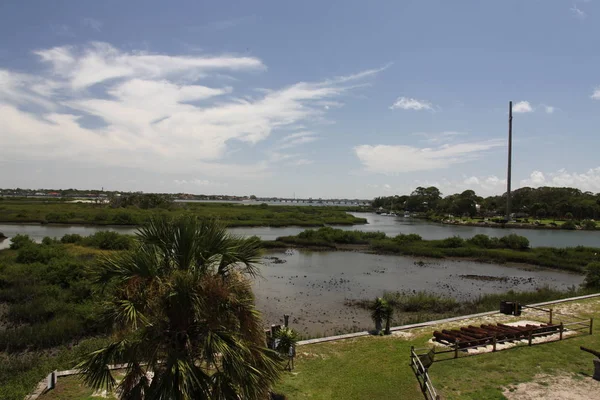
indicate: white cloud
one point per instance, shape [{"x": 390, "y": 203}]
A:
[
  {"x": 297, "y": 139},
  {"x": 154, "y": 112},
  {"x": 586, "y": 181},
  {"x": 406, "y": 103},
  {"x": 549, "y": 109},
  {"x": 390, "y": 159},
  {"x": 92, "y": 23},
  {"x": 577, "y": 13},
  {"x": 100, "y": 62},
  {"x": 482, "y": 185},
  {"x": 522, "y": 107},
  {"x": 300, "y": 162},
  {"x": 596, "y": 94},
  {"x": 438, "y": 138},
  {"x": 197, "y": 182}
]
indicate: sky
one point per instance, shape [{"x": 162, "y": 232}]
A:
[{"x": 335, "y": 99}]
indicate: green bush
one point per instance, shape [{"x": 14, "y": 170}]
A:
[
  {"x": 483, "y": 241},
  {"x": 410, "y": 238},
  {"x": 108, "y": 240},
  {"x": 71, "y": 238},
  {"x": 47, "y": 241},
  {"x": 452, "y": 242},
  {"x": 589, "y": 225},
  {"x": 19, "y": 241},
  {"x": 592, "y": 275},
  {"x": 569, "y": 225},
  {"x": 124, "y": 218},
  {"x": 515, "y": 242},
  {"x": 35, "y": 253}
]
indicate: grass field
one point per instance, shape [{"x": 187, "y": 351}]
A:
[
  {"x": 230, "y": 214},
  {"x": 377, "y": 367}
]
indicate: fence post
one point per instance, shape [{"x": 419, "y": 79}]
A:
[
  {"x": 456, "y": 349},
  {"x": 561, "y": 330},
  {"x": 550, "y": 317},
  {"x": 412, "y": 351},
  {"x": 494, "y": 342},
  {"x": 530, "y": 335},
  {"x": 591, "y": 325}
]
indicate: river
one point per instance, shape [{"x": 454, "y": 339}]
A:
[
  {"x": 389, "y": 225},
  {"x": 313, "y": 286}
]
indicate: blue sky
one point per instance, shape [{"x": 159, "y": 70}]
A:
[{"x": 320, "y": 99}]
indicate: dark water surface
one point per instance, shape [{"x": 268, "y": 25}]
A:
[{"x": 312, "y": 286}]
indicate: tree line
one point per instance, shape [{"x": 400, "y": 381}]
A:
[{"x": 543, "y": 202}]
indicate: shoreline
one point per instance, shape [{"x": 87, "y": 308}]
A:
[
  {"x": 87, "y": 224},
  {"x": 360, "y": 248},
  {"x": 508, "y": 226}
]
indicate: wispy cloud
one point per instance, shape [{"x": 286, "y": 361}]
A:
[
  {"x": 439, "y": 138},
  {"x": 395, "y": 159},
  {"x": 154, "y": 111},
  {"x": 92, "y": 23},
  {"x": 577, "y": 13},
  {"x": 300, "y": 162},
  {"x": 596, "y": 94},
  {"x": 297, "y": 139},
  {"x": 522, "y": 107},
  {"x": 549, "y": 109},
  {"x": 407, "y": 103},
  {"x": 62, "y": 30}
]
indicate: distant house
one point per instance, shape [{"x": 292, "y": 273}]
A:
[{"x": 53, "y": 194}]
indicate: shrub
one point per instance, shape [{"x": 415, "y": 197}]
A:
[
  {"x": 124, "y": 218},
  {"x": 515, "y": 242},
  {"x": 402, "y": 238},
  {"x": 35, "y": 253},
  {"x": 108, "y": 240},
  {"x": 71, "y": 238},
  {"x": 589, "y": 225},
  {"x": 20, "y": 241},
  {"x": 452, "y": 242},
  {"x": 592, "y": 275},
  {"x": 483, "y": 241},
  {"x": 569, "y": 225},
  {"x": 47, "y": 241}
]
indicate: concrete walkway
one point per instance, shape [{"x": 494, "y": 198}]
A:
[{"x": 431, "y": 323}]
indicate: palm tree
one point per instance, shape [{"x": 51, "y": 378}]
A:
[
  {"x": 378, "y": 310},
  {"x": 388, "y": 313},
  {"x": 183, "y": 317}
]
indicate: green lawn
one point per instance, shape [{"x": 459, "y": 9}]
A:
[
  {"x": 377, "y": 367},
  {"x": 71, "y": 388}
]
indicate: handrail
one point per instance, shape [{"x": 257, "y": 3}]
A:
[{"x": 420, "y": 371}]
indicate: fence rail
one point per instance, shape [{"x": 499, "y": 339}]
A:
[{"x": 422, "y": 376}]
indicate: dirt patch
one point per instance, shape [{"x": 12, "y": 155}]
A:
[{"x": 554, "y": 388}]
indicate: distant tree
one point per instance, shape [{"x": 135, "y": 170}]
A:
[{"x": 592, "y": 275}]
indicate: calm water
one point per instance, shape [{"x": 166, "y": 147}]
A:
[
  {"x": 313, "y": 286},
  {"x": 390, "y": 225}
]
